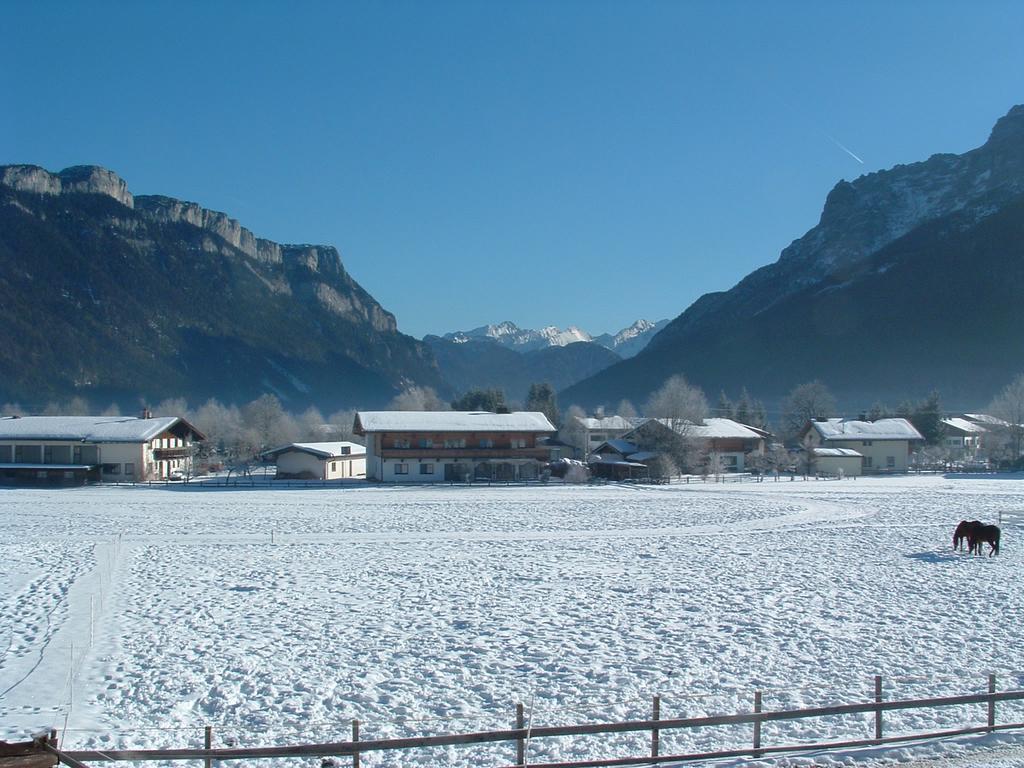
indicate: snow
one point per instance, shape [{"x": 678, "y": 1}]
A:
[
  {"x": 139, "y": 615},
  {"x": 323, "y": 450},
  {"x": 95, "y": 429},
  {"x": 882, "y": 429},
  {"x": 452, "y": 421},
  {"x": 964, "y": 425}
]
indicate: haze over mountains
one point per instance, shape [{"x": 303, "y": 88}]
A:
[{"x": 910, "y": 281}]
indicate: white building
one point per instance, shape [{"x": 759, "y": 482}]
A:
[
  {"x": 318, "y": 461},
  {"x": 592, "y": 432},
  {"x": 844, "y": 462},
  {"x": 453, "y": 446},
  {"x": 885, "y": 444},
  {"x": 963, "y": 437},
  {"x": 64, "y": 450}
]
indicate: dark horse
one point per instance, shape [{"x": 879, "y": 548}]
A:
[
  {"x": 966, "y": 530},
  {"x": 986, "y": 534}
]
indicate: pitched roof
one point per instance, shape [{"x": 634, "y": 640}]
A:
[
  {"x": 837, "y": 452},
  {"x": 715, "y": 428},
  {"x": 964, "y": 425},
  {"x": 91, "y": 429},
  {"x": 609, "y": 422},
  {"x": 320, "y": 450},
  {"x": 883, "y": 429},
  {"x": 451, "y": 421}
]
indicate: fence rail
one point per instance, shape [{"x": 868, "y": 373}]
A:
[{"x": 522, "y": 734}]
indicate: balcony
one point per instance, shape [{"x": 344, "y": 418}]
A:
[
  {"x": 541, "y": 454},
  {"x": 163, "y": 454}
]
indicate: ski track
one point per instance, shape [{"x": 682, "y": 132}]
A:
[{"x": 429, "y": 610}]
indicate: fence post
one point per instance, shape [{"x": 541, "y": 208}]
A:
[
  {"x": 991, "y": 703},
  {"x": 656, "y": 732},
  {"x": 757, "y": 724},
  {"x": 878, "y": 711},
  {"x": 208, "y": 744},
  {"x": 355, "y": 741},
  {"x": 520, "y": 741}
]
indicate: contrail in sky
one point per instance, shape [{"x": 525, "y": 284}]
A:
[{"x": 847, "y": 151}]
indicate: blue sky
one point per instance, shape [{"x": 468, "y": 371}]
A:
[{"x": 560, "y": 163}]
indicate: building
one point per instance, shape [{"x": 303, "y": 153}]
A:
[
  {"x": 843, "y": 462},
  {"x": 619, "y": 459},
  {"x": 963, "y": 438},
  {"x": 885, "y": 445},
  {"x": 590, "y": 432},
  {"x": 318, "y": 461},
  {"x": 725, "y": 442},
  {"x": 460, "y": 446},
  {"x": 70, "y": 450}
]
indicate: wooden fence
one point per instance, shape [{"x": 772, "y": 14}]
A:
[{"x": 522, "y": 734}]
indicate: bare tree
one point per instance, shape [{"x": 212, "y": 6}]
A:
[
  {"x": 572, "y": 430},
  {"x": 681, "y": 407},
  {"x": 1008, "y": 406},
  {"x": 626, "y": 410},
  {"x": 12, "y": 409},
  {"x": 340, "y": 425},
  {"x": 805, "y": 403},
  {"x": 417, "y": 399}
]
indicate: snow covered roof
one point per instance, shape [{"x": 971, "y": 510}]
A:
[
  {"x": 609, "y": 422},
  {"x": 964, "y": 425},
  {"x": 619, "y": 446},
  {"x": 717, "y": 429},
  {"x": 883, "y": 429},
  {"x": 984, "y": 418},
  {"x": 320, "y": 450},
  {"x": 90, "y": 429},
  {"x": 837, "y": 452},
  {"x": 451, "y": 421}
]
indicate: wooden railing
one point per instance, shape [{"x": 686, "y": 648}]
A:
[{"x": 522, "y": 734}]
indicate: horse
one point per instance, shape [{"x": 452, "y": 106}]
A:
[
  {"x": 986, "y": 534},
  {"x": 966, "y": 530}
]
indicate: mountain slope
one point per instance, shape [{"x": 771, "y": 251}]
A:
[
  {"x": 115, "y": 297},
  {"x": 626, "y": 343},
  {"x": 488, "y": 365},
  {"x": 772, "y": 331}
]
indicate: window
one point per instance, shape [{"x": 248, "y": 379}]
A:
[
  {"x": 28, "y": 454},
  {"x": 111, "y": 469},
  {"x": 401, "y": 442},
  {"x": 867, "y": 462},
  {"x": 129, "y": 469},
  {"x": 401, "y": 469},
  {"x": 426, "y": 469},
  {"x": 426, "y": 442},
  {"x": 865, "y": 442},
  {"x": 5, "y": 454},
  {"x": 334, "y": 466},
  {"x": 598, "y": 437},
  {"x": 455, "y": 443},
  {"x": 518, "y": 442},
  {"x": 345, "y": 450},
  {"x": 890, "y": 462},
  {"x": 486, "y": 443}
]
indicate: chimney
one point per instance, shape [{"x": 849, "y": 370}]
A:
[{"x": 147, "y": 414}]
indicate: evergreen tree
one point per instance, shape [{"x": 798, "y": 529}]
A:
[
  {"x": 542, "y": 398},
  {"x": 927, "y": 419},
  {"x": 481, "y": 400},
  {"x": 724, "y": 409},
  {"x": 743, "y": 408}
]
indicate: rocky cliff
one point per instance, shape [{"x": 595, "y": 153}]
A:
[{"x": 113, "y": 296}]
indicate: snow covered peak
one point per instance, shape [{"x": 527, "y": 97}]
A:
[{"x": 626, "y": 342}]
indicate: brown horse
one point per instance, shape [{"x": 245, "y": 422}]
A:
[
  {"x": 966, "y": 530},
  {"x": 986, "y": 534}
]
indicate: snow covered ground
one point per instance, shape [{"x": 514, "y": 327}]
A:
[{"x": 134, "y": 617}]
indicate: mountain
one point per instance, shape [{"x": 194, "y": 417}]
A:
[
  {"x": 899, "y": 288},
  {"x": 484, "y": 364},
  {"x": 625, "y": 343},
  {"x": 115, "y": 297}
]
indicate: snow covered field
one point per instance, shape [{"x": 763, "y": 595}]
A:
[{"x": 136, "y": 616}]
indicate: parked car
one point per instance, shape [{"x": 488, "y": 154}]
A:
[{"x": 176, "y": 474}]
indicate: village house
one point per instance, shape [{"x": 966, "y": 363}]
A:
[
  {"x": 71, "y": 450},
  {"x": 963, "y": 438},
  {"x": 318, "y": 461},
  {"x": 885, "y": 444},
  {"x": 724, "y": 442},
  {"x": 591, "y": 432},
  {"x": 839, "y": 462},
  {"x": 459, "y": 446}
]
